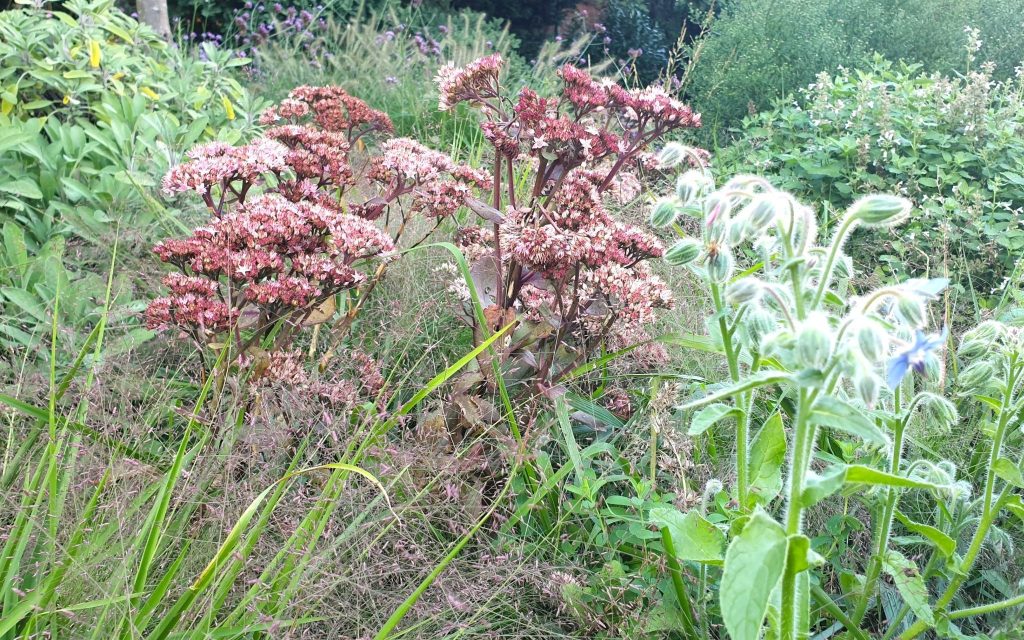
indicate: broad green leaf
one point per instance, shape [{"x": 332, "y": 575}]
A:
[
  {"x": 859, "y": 474},
  {"x": 818, "y": 487},
  {"x": 941, "y": 541},
  {"x": 694, "y": 538},
  {"x": 25, "y": 301},
  {"x": 753, "y": 566},
  {"x": 1009, "y": 472},
  {"x": 703, "y": 419},
  {"x": 23, "y": 187},
  {"x": 767, "y": 456},
  {"x": 911, "y": 585},
  {"x": 837, "y": 414},
  {"x": 15, "y": 249}
]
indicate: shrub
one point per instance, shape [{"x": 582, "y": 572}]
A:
[
  {"x": 93, "y": 108},
  {"x": 59, "y": 63},
  {"x": 761, "y": 51},
  {"x": 951, "y": 145}
]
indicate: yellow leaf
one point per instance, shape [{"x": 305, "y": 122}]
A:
[
  {"x": 95, "y": 55},
  {"x": 149, "y": 93},
  {"x": 6, "y": 107},
  {"x": 229, "y": 110}
]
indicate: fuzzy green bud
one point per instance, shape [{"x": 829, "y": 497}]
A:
[
  {"x": 933, "y": 369},
  {"x": 912, "y": 310},
  {"x": 683, "y": 252},
  {"x": 693, "y": 184},
  {"x": 671, "y": 155},
  {"x": 758, "y": 323},
  {"x": 717, "y": 211},
  {"x": 739, "y": 229},
  {"x": 720, "y": 265},
  {"x": 867, "y": 385},
  {"x": 664, "y": 212},
  {"x": 871, "y": 339},
  {"x": 977, "y": 376},
  {"x": 940, "y": 411},
  {"x": 981, "y": 339},
  {"x": 814, "y": 341},
  {"x": 881, "y": 210},
  {"x": 765, "y": 209},
  {"x": 743, "y": 291}
]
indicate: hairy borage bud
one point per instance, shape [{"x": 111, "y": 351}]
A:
[
  {"x": 744, "y": 290},
  {"x": 940, "y": 411},
  {"x": 693, "y": 184},
  {"x": 911, "y": 309},
  {"x": 717, "y": 211},
  {"x": 881, "y": 210},
  {"x": 758, "y": 323},
  {"x": 720, "y": 265},
  {"x": 981, "y": 339},
  {"x": 977, "y": 376},
  {"x": 814, "y": 341},
  {"x": 871, "y": 339},
  {"x": 683, "y": 252},
  {"x": 671, "y": 155},
  {"x": 664, "y": 212},
  {"x": 868, "y": 385}
]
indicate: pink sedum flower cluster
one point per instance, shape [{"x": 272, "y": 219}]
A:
[
  {"x": 562, "y": 258},
  {"x": 293, "y": 221}
]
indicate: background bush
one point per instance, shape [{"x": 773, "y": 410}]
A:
[
  {"x": 760, "y": 51},
  {"x": 952, "y": 145}
]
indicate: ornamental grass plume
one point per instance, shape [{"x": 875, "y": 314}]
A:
[
  {"x": 554, "y": 255},
  {"x": 289, "y": 227}
]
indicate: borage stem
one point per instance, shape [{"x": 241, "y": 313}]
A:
[{"x": 742, "y": 419}]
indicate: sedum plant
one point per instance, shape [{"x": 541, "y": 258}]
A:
[
  {"x": 811, "y": 363},
  {"x": 551, "y": 254},
  {"x": 290, "y": 230}
]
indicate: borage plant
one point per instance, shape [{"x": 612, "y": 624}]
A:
[
  {"x": 806, "y": 356},
  {"x": 294, "y": 222},
  {"x": 553, "y": 256}
]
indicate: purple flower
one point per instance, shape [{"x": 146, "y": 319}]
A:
[{"x": 914, "y": 356}]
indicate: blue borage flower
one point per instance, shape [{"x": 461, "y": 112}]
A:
[{"x": 913, "y": 356}]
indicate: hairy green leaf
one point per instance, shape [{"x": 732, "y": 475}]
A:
[
  {"x": 753, "y": 566},
  {"x": 695, "y": 539}
]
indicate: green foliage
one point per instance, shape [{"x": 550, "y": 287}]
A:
[
  {"x": 796, "y": 346},
  {"x": 761, "y": 51},
  {"x": 390, "y": 59},
  {"x": 59, "y": 63},
  {"x": 951, "y": 145},
  {"x": 94, "y": 108}
]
